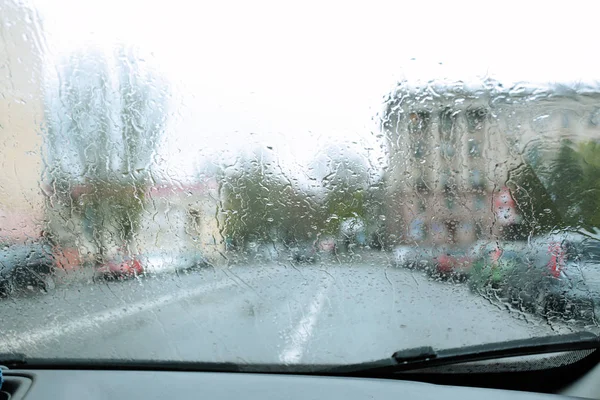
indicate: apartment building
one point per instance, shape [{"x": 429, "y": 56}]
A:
[{"x": 451, "y": 149}]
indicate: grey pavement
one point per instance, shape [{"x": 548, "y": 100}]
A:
[{"x": 332, "y": 312}]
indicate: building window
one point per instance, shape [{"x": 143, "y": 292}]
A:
[
  {"x": 418, "y": 126},
  {"x": 451, "y": 228},
  {"x": 417, "y": 229},
  {"x": 445, "y": 177},
  {"x": 450, "y": 201},
  {"x": 475, "y": 119},
  {"x": 418, "y": 122},
  {"x": 421, "y": 186},
  {"x": 438, "y": 230},
  {"x": 474, "y": 147},
  {"x": 479, "y": 202},
  {"x": 446, "y": 127},
  {"x": 420, "y": 149},
  {"x": 466, "y": 228},
  {"x": 447, "y": 121},
  {"x": 478, "y": 230},
  {"x": 448, "y": 149},
  {"x": 450, "y": 195},
  {"x": 477, "y": 179}
]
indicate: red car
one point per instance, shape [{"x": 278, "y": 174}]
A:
[
  {"x": 452, "y": 263},
  {"x": 121, "y": 267}
]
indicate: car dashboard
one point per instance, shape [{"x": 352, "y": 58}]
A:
[{"x": 127, "y": 384}]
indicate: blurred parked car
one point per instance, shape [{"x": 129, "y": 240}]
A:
[
  {"x": 518, "y": 272},
  {"x": 479, "y": 248},
  {"x": 416, "y": 257},
  {"x": 494, "y": 263},
  {"x": 555, "y": 275},
  {"x": 352, "y": 234},
  {"x": 452, "y": 262},
  {"x": 570, "y": 286},
  {"x": 326, "y": 245},
  {"x": 172, "y": 261},
  {"x": 304, "y": 253},
  {"x": 120, "y": 267},
  {"x": 26, "y": 265},
  {"x": 260, "y": 252}
]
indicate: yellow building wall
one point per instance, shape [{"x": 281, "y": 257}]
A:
[{"x": 21, "y": 118}]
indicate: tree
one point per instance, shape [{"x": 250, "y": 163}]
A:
[
  {"x": 566, "y": 184},
  {"x": 252, "y": 202},
  {"x": 589, "y": 185},
  {"x": 143, "y": 114},
  {"x": 104, "y": 118},
  {"x": 376, "y": 203},
  {"x": 347, "y": 197},
  {"x": 533, "y": 202},
  {"x": 302, "y": 216},
  {"x": 567, "y": 198},
  {"x": 262, "y": 205}
]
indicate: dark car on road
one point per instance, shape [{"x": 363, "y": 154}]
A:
[
  {"x": 571, "y": 285},
  {"x": 521, "y": 274},
  {"x": 304, "y": 253},
  {"x": 26, "y": 265},
  {"x": 555, "y": 276}
]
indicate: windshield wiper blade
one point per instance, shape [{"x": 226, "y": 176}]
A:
[{"x": 426, "y": 357}]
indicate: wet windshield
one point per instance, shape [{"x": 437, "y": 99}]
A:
[{"x": 304, "y": 183}]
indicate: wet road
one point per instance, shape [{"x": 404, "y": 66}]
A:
[{"x": 323, "y": 313}]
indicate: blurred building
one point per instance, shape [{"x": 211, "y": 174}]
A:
[
  {"x": 451, "y": 149},
  {"x": 182, "y": 219},
  {"x": 21, "y": 119},
  {"x": 173, "y": 221}
]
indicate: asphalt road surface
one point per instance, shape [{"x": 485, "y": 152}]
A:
[{"x": 278, "y": 313}]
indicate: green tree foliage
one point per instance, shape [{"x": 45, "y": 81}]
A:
[
  {"x": 110, "y": 211},
  {"x": 303, "y": 216},
  {"x": 252, "y": 203},
  {"x": 105, "y": 117},
  {"x": 567, "y": 197},
  {"x": 533, "y": 202},
  {"x": 343, "y": 201},
  {"x": 346, "y": 193},
  {"x": 589, "y": 184},
  {"x": 261, "y": 206},
  {"x": 566, "y": 184}
]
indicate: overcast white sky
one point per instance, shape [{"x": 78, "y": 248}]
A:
[{"x": 297, "y": 75}]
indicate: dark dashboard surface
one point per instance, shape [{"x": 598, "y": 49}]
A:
[{"x": 102, "y": 384}]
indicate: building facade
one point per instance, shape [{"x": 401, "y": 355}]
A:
[
  {"x": 21, "y": 121},
  {"x": 451, "y": 150}
]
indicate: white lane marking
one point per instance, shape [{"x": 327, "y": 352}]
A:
[
  {"x": 303, "y": 331},
  {"x": 15, "y": 341}
]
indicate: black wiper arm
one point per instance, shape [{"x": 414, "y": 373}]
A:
[
  {"x": 401, "y": 361},
  {"x": 426, "y": 357}
]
